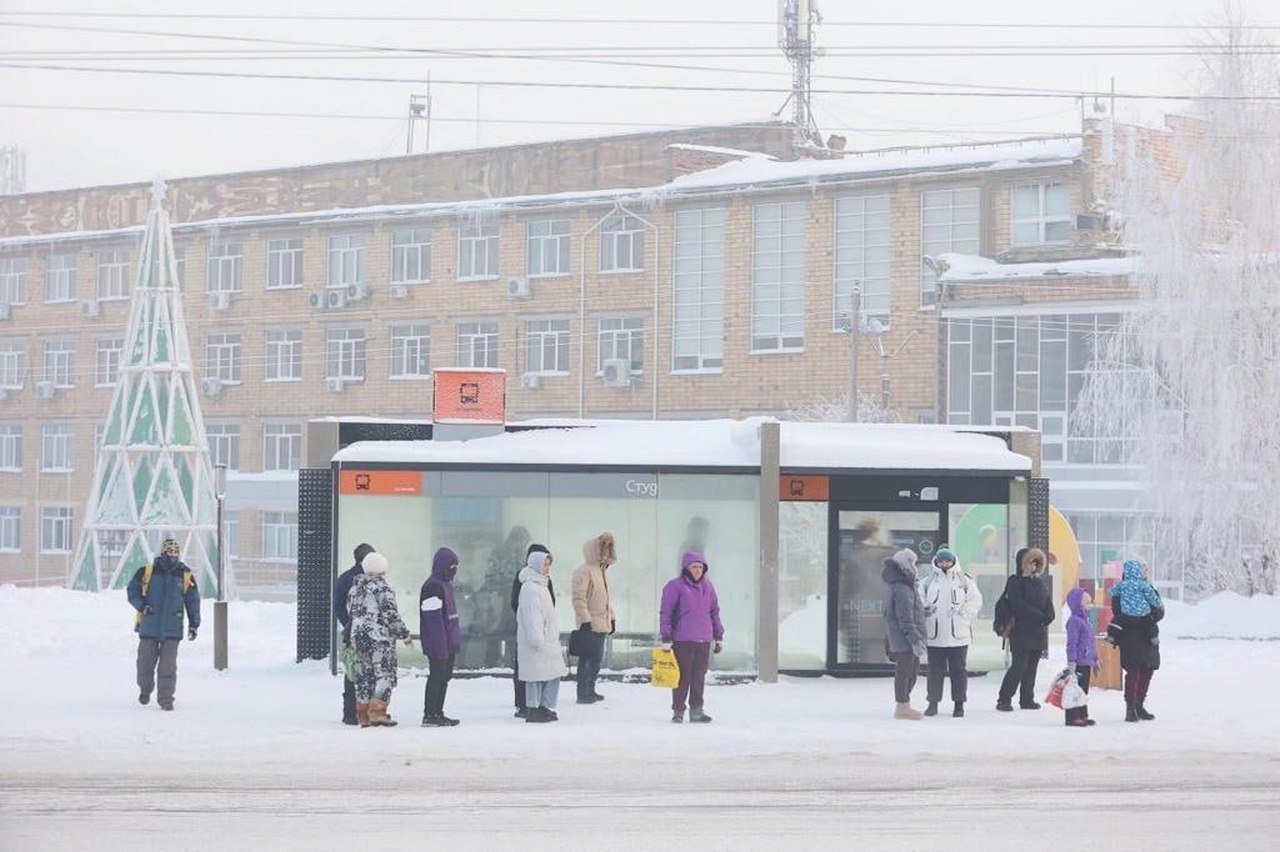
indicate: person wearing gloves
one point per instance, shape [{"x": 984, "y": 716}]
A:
[
  {"x": 441, "y": 635},
  {"x": 1032, "y": 605},
  {"x": 951, "y": 603},
  {"x": 538, "y": 640},
  {"x": 375, "y": 626},
  {"x": 593, "y": 611},
  {"x": 904, "y": 628},
  {"x": 342, "y": 588},
  {"x": 160, "y": 592},
  {"x": 1137, "y": 610},
  {"x": 689, "y": 619},
  {"x": 1082, "y": 653}
]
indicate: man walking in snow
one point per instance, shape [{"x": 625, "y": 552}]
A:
[{"x": 160, "y": 592}]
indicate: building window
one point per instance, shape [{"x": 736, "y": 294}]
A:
[
  {"x": 1106, "y": 537},
  {"x": 55, "y": 529},
  {"x": 411, "y": 351},
  {"x": 60, "y": 278},
  {"x": 622, "y": 244},
  {"x": 284, "y": 355},
  {"x": 222, "y": 357},
  {"x": 284, "y": 263},
  {"x": 113, "y": 542},
  {"x": 10, "y": 529},
  {"x": 13, "y": 280},
  {"x": 622, "y": 338},
  {"x": 55, "y": 447},
  {"x": 345, "y": 349},
  {"x": 950, "y": 222},
  {"x": 224, "y": 444},
  {"x": 99, "y": 430},
  {"x": 346, "y": 259},
  {"x": 231, "y": 533},
  {"x": 547, "y": 346},
  {"x": 281, "y": 446},
  {"x": 59, "y": 362},
  {"x": 477, "y": 344},
  {"x": 411, "y": 256},
  {"x": 107, "y": 363},
  {"x": 478, "y": 247},
  {"x": 180, "y": 264},
  {"x": 11, "y": 447},
  {"x": 862, "y": 256},
  {"x": 226, "y": 260},
  {"x": 778, "y": 277},
  {"x": 1041, "y": 214},
  {"x": 12, "y": 356},
  {"x": 280, "y": 536},
  {"x": 113, "y": 267},
  {"x": 698, "y": 335},
  {"x": 547, "y": 252}
]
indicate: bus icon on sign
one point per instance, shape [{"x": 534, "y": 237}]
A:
[
  {"x": 469, "y": 393},
  {"x": 364, "y": 482},
  {"x": 797, "y": 487}
]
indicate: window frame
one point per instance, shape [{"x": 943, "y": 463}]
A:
[
  {"x": 858, "y": 243},
  {"x": 275, "y": 527},
  {"x": 224, "y": 444},
  {"x": 474, "y": 238},
  {"x": 10, "y": 528},
  {"x": 60, "y": 525},
  {"x": 405, "y": 336},
  {"x": 276, "y": 355},
  {"x": 401, "y": 251},
  {"x": 11, "y": 435},
  {"x": 57, "y": 447},
  {"x": 224, "y": 349},
  {"x": 57, "y": 369},
  {"x": 346, "y": 346},
  {"x": 224, "y": 266},
  {"x": 112, "y": 270},
  {"x": 632, "y": 335},
  {"x": 13, "y": 278},
  {"x": 60, "y": 277},
  {"x": 611, "y": 236},
  {"x": 13, "y": 359},
  {"x": 349, "y": 257},
  {"x": 547, "y": 338},
  {"x": 777, "y": 266},
  {"x": 1042, "y": 220},
  {"x": 555, "y": 244},
  {"x": 928, "y": 281},
  {"x": 276, "y": 434},
  {"x": 112, "y": 365},
  {"x": 491, "y": 341},
  {"x": 282, "y": 255},
  {"x": 711, "y": 247}
]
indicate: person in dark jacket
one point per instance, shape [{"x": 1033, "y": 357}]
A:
[
  {"x": 1032, "y": 605},
  {"x": 440, "y": 633},
  {"x": 341, "y": 588},
  {"x": 904, "y": 628},
  {"x": 522, "y": 706},
  {"x": 160, "y": 595},
  {"x": 1139, "y": 636}
]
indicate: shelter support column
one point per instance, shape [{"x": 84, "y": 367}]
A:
[{"x": 767, "y": 626}]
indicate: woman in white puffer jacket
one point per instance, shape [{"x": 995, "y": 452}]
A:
[{"x": 951, "y": 603}]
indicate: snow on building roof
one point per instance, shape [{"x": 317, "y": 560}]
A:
[
  {"x": 709, "y": 444},
  {"x": 716, "y": 149},
  {"x": 1005, "y": 155},
  {"x": 966, "y": 267}
]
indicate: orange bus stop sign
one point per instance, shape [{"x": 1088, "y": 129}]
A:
[{"x": 467, "y": 395}]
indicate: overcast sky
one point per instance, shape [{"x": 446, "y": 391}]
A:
[{"x": 190, "y": 125}]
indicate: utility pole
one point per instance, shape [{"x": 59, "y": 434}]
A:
[
  {"x": 419, "y": 110},
  {"x": 220, "y": 605},
  {"x": 855, "y": 324},
  {"x": 797, "y": 21}
]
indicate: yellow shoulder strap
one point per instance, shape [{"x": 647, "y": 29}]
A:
[
  {"x": 146, "y": 578},
  {"x": 188, "y": 580}
]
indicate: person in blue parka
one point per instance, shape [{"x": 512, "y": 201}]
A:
[{"x": 160, "y": 592}]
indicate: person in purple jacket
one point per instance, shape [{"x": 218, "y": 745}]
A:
[
  {"x": 690, "y": 622},
  {"x": 1082, "y": 652},
  {"x": 441, "y": 636}
]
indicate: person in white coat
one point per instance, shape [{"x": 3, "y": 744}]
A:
[
  {"x": 538, "y": 651},
  {"x": 951, "y": 603}
]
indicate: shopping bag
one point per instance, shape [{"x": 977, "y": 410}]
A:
[
  {"x": 1073, "y": 695},
  {"x": 1110, "y": 675},
  {"x": 350, "y": 664},
  {"x": 1059, "y": 683},
  {"x": 666, "y": 671}
]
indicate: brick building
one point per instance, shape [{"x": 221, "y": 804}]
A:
[{"x": 671, "y": 275}]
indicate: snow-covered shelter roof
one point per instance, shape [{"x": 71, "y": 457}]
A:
[
  {"x": 957, "y": 268},
  {"x": 709, "y": 444}
]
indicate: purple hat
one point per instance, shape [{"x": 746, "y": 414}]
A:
[{"x": 692, "y": 557}]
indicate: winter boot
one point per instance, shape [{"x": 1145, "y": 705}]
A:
[
  {"x": 696, "y": 715},
  {"x": 931, "y": 709},
  {"x": 678, "y": 718},
  {"x": 362, "y": 714},
  {"x": 1004, "y": 706},
  {"x": 144, "y": 697},
  {"x": 1078, "y": 723},
  {"x": 958, "y": 712},
  {"x": 1131, "y": 711},
  {"x": 1029, "y": 705},
  {"x": 538, "y": 715},
  {"x": 906, "y": 711},
  {"x": 434, "y": 722},
  {"x": 378, "y": 715},
  {"x": 1141, "y": 710}
]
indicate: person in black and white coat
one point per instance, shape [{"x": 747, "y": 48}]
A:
[{"x": 951, "y": 602}]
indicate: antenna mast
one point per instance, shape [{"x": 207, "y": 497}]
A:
[{"x": 797, "y": 22}]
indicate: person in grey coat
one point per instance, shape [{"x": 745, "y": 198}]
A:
[{"x": 904, "y": 628}]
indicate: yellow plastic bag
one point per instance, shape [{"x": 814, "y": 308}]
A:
[{"x": 666, "y": 671}]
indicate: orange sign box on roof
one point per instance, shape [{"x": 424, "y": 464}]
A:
[
  {"x": 381, "y": 482},
  {"x": 469, "y": 396},
  {"x": 812, "y": 489}
]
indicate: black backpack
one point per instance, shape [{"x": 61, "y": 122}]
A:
[{"x": 1003, "y": 621}]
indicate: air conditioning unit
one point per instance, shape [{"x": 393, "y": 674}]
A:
[
  {"x": 617, "y": 373},
  {"x": 335, "y": 384},
  {"x": 212, "y": 385},
  {"x": 335, "y": 300},
  {"x": 220, "y": 299},
  {"x": 1088, "y": 222},
  {"x": 89, "y": 308},
  {"x": 530, "y": 381},
  {"x": 4, "y": 310},
  {"x": 45, "y": 390},
  {"x": 317, "y": 301},
  {"x": 358, "y": 292},
  {"x": 518, "y": 288},
  {"x": 399, "y": 291}
]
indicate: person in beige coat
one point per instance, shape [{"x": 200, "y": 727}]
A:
[{"x": 593, "y": 611}]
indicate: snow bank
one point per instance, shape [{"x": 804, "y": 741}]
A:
[{"x": 1226, "y": 615}]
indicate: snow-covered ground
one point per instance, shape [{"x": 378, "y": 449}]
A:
[{"x": 254, "y": 757}]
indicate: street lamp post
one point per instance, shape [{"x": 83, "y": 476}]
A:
[{"x": 220, "y": 605}]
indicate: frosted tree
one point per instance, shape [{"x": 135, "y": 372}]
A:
[{"x": 1191, "y": 381}]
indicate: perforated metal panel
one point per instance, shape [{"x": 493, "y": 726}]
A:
[
  {"x": 315, "y": 562},
  {"x": 1038, "y": 509}
]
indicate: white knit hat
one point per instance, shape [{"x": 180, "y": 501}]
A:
[{"x": 374, "y": 563}]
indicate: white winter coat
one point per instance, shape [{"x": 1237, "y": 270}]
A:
[
  {"x": 951, "y": 603},
  {"x": 537, "y": 633}
]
